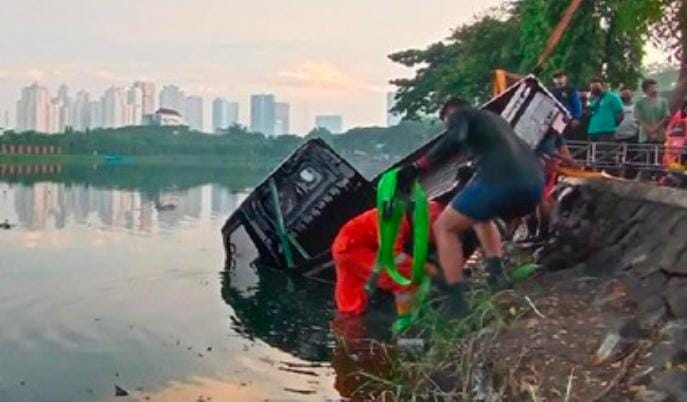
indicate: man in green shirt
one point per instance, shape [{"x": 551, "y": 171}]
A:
[
  {"x": 606, "y": 112},
  {"x": 652, "y": 113}
]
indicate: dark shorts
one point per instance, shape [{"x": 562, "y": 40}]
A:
[{"x": 485, "y": 201}]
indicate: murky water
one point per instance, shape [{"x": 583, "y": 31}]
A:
[{"x": 116, "y": 277}]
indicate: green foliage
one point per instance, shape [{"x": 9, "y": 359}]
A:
[
  {"x": 605, "y": 37},
  {"x": 462, "y": 64},
  {"x": 609, "y": 33},
  {"x": 237, "y": 143}
]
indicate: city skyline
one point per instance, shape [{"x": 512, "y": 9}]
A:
[
  {"x": 314, "y": 65},
  {"x": 129, "y": 106}
]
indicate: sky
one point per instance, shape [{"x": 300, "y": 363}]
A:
[{"x": 321, "y": 56}]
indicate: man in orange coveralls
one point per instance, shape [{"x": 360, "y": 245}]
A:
[{"x": 355, "y": 254}]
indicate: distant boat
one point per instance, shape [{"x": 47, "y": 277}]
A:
[{"x": 114, "y": 159}]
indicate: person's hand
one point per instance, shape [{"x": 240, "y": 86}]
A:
[
  {"x": 574, "y": 123},
  {"x": 406, "y": 175}
]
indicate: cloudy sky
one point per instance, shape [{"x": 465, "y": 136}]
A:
[{"x": 322, "y": 56}]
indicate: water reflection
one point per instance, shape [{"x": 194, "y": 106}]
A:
[
  {"x": 109, "y": 280},
  {"x": 45, "y": 205},
  {"x": 297, "y": 316},
  {"x": 289, "y": 313}
]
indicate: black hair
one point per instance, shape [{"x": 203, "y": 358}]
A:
[
  {"x": 453, "y": 102},
  {"x": 560, "y": 73},
  {"x": 647, "y": 83},
  {"x": 597, "y": 80}
]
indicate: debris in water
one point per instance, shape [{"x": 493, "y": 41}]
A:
[{"x": 119, "y": 391}]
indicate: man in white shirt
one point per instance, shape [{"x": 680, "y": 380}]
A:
[{"x": 628, "y": 130}]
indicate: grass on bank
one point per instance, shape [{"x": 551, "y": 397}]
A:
[{"x": 452, "y": 368}]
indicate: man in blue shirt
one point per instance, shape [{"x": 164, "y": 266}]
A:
[{"x": 567, "y": 95}]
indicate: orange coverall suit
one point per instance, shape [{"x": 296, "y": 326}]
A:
[{"x": 355, "y": 254}]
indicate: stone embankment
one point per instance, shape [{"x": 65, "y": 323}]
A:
[{"x": 632, "y": 239}]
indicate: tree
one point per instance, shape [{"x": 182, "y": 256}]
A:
[
  {"x": 669, "y": 32},
  {"x": 605, "y": 37},
  {"x": 462, "y": 64},
  {"x": 235, "y": 129},
  {"x": 319, "y": 132}
]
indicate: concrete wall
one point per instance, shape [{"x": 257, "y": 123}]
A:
[
  {"x": 625, "y": 229},
  {"x": 635, "y": 234}
]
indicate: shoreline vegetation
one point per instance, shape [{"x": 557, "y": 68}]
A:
[
  {"x": 143, "y": 160},
  {"x": 235, "y": 147}
]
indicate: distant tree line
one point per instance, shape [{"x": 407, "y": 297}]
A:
[{"x": 235, "y": 142}]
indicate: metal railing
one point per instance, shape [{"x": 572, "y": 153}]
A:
[{"x": 615, "y": 155}]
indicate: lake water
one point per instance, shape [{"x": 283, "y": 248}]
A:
[{"x": 115, "y": 277}]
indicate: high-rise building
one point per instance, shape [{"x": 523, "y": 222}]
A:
[
  {"x": 172, "y": 97},
  {"x": 33, "y": 109},
  {"x": 79, "y": 112},
  {"x": 233, "y": 113},
  {"x": 63, "y": 93},
  {"x": 55, "y": 116},
  {"x": 224, "y": 114},
  {"x": 392, "y": 118},
  {"x": 95, "y": 115},
  {"x": 64, "y": 112},
  {"x": 114, "y": 108},
  {"x": 332, "y": 123},
  {"x": 134, "y": 106},
  {"x": 282, "y": 119},
  {"x": 262, "y": 114},
  {"x": 148, "y": 91},
  {"x": 194, "y": 112}
]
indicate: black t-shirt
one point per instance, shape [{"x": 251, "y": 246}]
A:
[{"x": 500, "y": 155}]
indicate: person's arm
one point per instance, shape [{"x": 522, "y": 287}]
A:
[
  {"x": 618, "y": 109},
  {"x": 576, "y": 105},
  {"x": 451, "y": 143},
  {"x": 564, "y": 153}
]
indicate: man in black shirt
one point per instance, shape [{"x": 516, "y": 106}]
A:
[{"x": 508, "y": 184}]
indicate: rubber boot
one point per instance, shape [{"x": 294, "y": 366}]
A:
[
  {"x": 497, "y": 279},
  {"x": 455, "y": 306}
]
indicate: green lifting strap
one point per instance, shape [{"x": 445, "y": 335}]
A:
[
  {"x": 391, "y": 208},
  {"x": 280, "y": 226}
]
